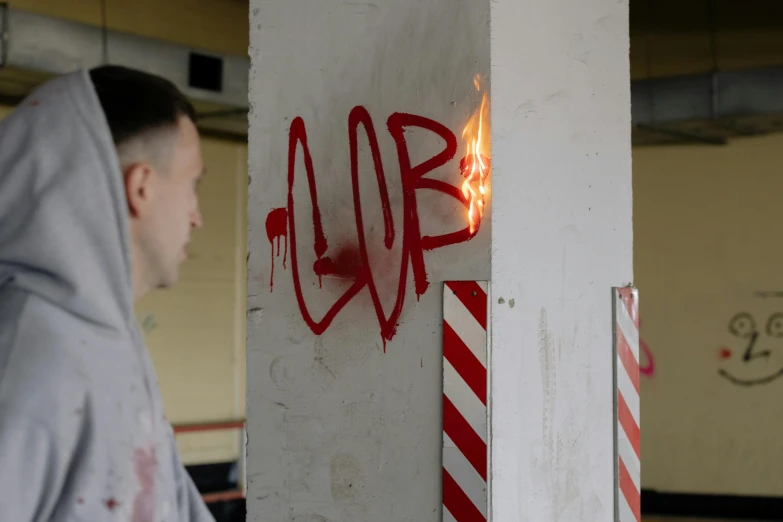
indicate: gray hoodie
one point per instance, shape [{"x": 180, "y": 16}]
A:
[{"x": 83, "y": 436}]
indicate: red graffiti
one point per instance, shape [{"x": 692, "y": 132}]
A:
[
  {"x": 649, "y": 368},
  {"x": 347, "y": 264},
  {"x": 353, "y": 263},
  {"x": 725, "y": 353}
]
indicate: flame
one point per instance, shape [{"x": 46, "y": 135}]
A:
[{"x": 475, "y": 166}]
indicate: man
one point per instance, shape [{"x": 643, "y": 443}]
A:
[{"x": 98, "y": 175}]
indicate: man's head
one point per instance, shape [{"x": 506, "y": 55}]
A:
[{"x": 152, "y": 125}]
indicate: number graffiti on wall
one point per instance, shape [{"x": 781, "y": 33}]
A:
[{"x": 353, "y": 263}]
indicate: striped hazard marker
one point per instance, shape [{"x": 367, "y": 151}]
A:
[
  {"x": 465, "y": 401},
  {"x": 626, "y": 426}
]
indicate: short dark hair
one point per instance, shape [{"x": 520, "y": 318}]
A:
[{"x": 135, "y": 102}]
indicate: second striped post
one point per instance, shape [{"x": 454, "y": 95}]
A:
[{"x": 625, "y": 305}]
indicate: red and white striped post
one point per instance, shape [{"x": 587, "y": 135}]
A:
[
  {"x": 465, "y": 305},
  {"x": 625, "y": 305}
]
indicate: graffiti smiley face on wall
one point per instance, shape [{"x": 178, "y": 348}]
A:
[{"x": 755, "y": 354}]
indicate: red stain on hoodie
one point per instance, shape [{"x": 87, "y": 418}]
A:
[{"x": 144, "y": 503}]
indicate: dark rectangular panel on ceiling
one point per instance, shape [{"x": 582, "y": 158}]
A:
[{"x": 205, "y": 72}]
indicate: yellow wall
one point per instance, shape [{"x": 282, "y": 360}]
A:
[
  {"x": 705, "y": 243},
  {"x": 217, "y": 25},
  {"x": 706, "y": 239}
]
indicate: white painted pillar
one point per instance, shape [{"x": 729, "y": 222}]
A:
[{"x": 562, "y": 237}]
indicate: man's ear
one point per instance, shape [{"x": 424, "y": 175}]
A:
[{"x": 138, "y": 179}]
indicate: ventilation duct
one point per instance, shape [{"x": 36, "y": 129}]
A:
[
  {"x": 36, "y": 47},
  {"x": 708, "y": 108}
]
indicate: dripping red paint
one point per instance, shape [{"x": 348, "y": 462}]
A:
[{"x": 276, "y": 230}]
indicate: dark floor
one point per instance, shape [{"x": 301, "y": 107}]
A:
[
  {"x": 669, "y": 518},
  {"x": 656, "y": 506},
  {"x": 233, "y": 511},
  {"x": 671, "y": 507},
  {"x": 212, "y": 478}
]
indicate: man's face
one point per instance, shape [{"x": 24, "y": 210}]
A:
[{"x": 170, "y": 210}]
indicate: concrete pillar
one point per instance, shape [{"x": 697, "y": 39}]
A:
[
  {"x": 357, "y": 112},
  {"x": 562, "y": 237}
]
